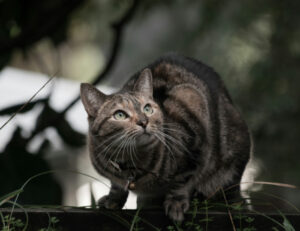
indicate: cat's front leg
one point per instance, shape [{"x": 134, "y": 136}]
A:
[
  {"x": 116, "y": 198},
  {"x": 176, "y": 204}
]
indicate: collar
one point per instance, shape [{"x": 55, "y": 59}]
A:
[{"x": 131, "y": 175}]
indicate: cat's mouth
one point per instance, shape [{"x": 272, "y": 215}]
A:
[
  {"x": 146, "y": 132},
  {"x": 144, "y": 138}
]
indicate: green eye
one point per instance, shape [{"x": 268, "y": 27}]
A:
[
  {"x": 148, "y": 110},
  {"x": 120, "y": 115}
]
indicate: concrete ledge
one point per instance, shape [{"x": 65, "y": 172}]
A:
[{"x": 73, "y": 219}]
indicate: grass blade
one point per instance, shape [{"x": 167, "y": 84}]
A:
[{"x": 8, "y": 196}]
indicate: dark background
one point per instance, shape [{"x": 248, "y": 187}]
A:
[{"x": 253, "y": 45}]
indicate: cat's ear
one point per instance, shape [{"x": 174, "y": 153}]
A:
[
  {"x": 144, "y": 84},
  {"x": 92, "y": 98}
]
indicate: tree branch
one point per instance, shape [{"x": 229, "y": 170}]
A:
[
  {"x": 119, "y": 29},
  {"x": 50, "y": 21},
  {"x": 118, "y": 35}
]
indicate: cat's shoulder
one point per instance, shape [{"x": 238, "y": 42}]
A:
[{"x": 191, "y": 65}]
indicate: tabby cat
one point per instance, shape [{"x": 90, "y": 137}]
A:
[{"x": 170, "y": 134}]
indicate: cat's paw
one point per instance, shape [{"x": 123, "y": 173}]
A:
[
  {"x": 176, "y": 206},
  {"x": 108, "y": 203}
]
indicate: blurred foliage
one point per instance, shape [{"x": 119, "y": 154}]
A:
[
  {"x": 23, "y": 23},
  {"x": 253, "y": 45},
  {"x": 17, "y": 165}
]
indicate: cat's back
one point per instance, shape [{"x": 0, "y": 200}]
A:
[{"x": 172, "y": 70}]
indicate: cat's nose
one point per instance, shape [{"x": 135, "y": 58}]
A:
[{"x": 143, "y": 123}]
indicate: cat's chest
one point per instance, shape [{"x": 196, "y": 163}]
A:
[
  {"x": 147, "y": 184},
  {"x": 138, "y": 180}
]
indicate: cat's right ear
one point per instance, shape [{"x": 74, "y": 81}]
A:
[
  {"x": 144, "y": 83},
  {"x": 92, "y": 98}
]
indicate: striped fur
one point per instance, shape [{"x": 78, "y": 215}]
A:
[{"x": 197, "y": 141}]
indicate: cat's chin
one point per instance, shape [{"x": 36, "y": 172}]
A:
[{"x": 144, "y": 139}]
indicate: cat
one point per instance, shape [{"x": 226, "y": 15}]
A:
[{"x": 170, "y": 134}]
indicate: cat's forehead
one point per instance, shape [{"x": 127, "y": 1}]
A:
[{"x": 128, "y": 100}]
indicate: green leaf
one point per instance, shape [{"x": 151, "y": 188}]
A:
[
  {"x": 171, "y": 228},
  {"x": 54, "y": 220},
  {"x": 287, "y": 225},
  {"x": 9, "y": 196},
  {"x": 249, "y": 219}
]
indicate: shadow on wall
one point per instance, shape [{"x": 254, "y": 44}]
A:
[{"x": 71, "y": 176}]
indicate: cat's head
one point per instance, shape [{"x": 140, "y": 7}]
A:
[{"x": 124, "y": 117}]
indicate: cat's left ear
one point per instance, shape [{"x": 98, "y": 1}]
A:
[{"x": 144, "y": 84}]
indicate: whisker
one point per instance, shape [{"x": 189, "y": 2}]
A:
[
  {"x": 112, "y": 154},
  {"x": 176, "y": 131},
  {"x": 166, "y": 145},
  {"x": 108, "y": 139},
  {"x": 108, "y": 148},
  {"x": 122, "y": 145},
  {"x": 120, "y": 148},
  {"x": 133, "y": 148},
  {"x": 130, "y": 154},
  {"x": 128, "y": 146},
  {"x": 175, "y": 141}
]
